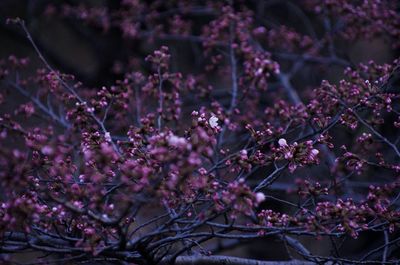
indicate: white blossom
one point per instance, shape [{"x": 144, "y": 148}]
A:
[
  {"x": 282, "y": 142},
  {"x": 315, "y": 152},
  {"x": 107, "y": 136},
  {"x": 213, "y": 121},
  {"x": 258, "y": 72},
  {"x": 260, "y": 197}
]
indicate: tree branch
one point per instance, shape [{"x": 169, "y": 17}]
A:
[{"x": 225, "y": 260}]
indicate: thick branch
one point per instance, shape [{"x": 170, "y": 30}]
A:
[{"x": 225, "y": 260}]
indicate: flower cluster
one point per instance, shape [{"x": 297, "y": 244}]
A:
[
  {"x": 360, "y": 18},
  {"x": 298, "y": 155}
]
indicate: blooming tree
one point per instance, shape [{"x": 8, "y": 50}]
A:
[{"x": 160, "y": 165}]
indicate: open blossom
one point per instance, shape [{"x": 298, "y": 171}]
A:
[
  {"x": 282, "y": 142},
  {"x": 243, "y": 154},
  {"x": 107, "y": 136},
  {"x": 213, "y": 121},
  {"x": 260, "y": 197}
]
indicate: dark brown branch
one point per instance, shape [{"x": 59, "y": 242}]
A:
[{"x": 225, "y": 260}]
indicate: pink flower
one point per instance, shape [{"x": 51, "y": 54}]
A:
[{"x": 47, "y": 150}]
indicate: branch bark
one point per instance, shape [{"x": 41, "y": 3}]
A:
[{"x": 225, "y": 260}]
